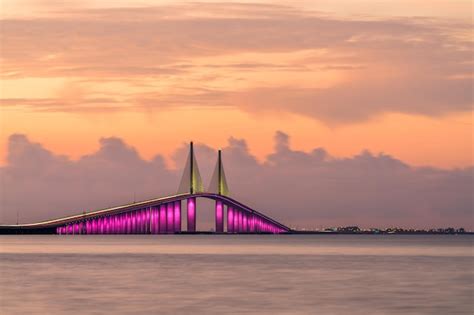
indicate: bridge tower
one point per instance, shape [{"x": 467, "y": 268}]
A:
[
  {"x": 191, "y": 183},
  {"x": 219, "y": 186}
]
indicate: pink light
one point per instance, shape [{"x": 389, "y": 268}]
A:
[
  {"x": 148, "y": 221},
  {"x": 157, "y": 218},
  {"x": 236, "y": 221},
  {"x": 230, "y": 220},
  {"x": 241, "y": 222},
  {"x": 162, "y": 218},
  {"x": 251, "y": 223},
  {"x": 177, "y": 216},
  {"x": 106, "y": 225},
  {"x": 244, "y": 222},
  {"x": 170, "y": 217},
  {"x": 154, "y": 220},
  {"x": 191, "y": 208},
  {"x": 219, "y": 217}
]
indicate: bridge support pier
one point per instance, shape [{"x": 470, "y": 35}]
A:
[
  {"x": 155, "y": 217},
  {"x": 170, "y": 217},
  {"x": 251, "y": 223},
  {"x": 244, "y": 222},
  {"x": 230, "y": 219},
  {"x": 241, "y": 221},
  {"x": 191, "y": 208},
  {"x": 162, "y": 219},
  {"x": 177, "y": 216},
  {"x": 236, "y": 221},
  {"x": 219, "y": 217}
]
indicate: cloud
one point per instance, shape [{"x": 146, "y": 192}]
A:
[
  {"x": 264, "y": 58},
  {"x": 304, "y": 189},
  {"x": 361, "y": 100},
  {"x": 62, "y": 105}
]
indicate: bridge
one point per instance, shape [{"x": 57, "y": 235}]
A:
[{"x": 163, "y": 215}]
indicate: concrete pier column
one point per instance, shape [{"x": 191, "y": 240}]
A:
[
  {"x": 128, "y": 223},
  {"x": 152, "y": 220},
  {"x": 106, "y": 225},
  {"x": 117, "y": 224},
  {"x": 136, "y": 216},
  {"x": 156, "y": 219},
  {"x": 230, "y": 219},
  {"x": 125, "y": 223},
  {"x": 147, "y": 220},
  {"x": 92, "y": 226},
  {"x": 137, "y": 221},
  {"x": 162, "y": 219},
  {"x": 236, "y": 221},
  {"x": 141, "y": 221},
  {"x": 241, "y": 222},
  {"x": 114, "y": 224},
  {"x": 191, "y": 208},
  {"x": 219, "y": 217},
  {"x": 177, "y": 216},
  {"x": 245, "y": 222},
  {"x": 134, "y": 222},
  {"x": 170, "y": 217},
  {"x": 144, "y": 221}
]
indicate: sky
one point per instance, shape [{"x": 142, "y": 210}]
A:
[{"x": 367, "y": 99}]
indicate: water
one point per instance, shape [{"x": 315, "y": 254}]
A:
[{"x": 207, "y": 274}]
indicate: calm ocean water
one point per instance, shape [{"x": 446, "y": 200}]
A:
[{"x": 207, "y": 274}]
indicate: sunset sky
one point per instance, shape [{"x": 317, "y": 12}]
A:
[{"x": 391, "y": 77}]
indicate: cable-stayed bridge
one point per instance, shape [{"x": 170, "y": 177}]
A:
[{"x": 163, "y": 215}]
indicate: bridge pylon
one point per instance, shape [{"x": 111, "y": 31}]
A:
[
  {"x": 218, "y": 185},
  {"x": 191, "y": 183}
]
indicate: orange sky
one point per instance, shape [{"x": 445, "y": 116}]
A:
[{"x": 391, "y": 76}]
